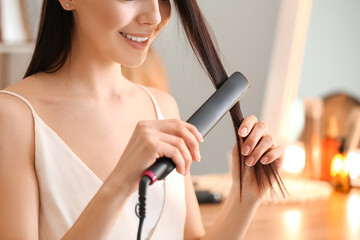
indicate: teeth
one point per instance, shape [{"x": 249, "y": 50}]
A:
[{"x": 136, "y": 39}]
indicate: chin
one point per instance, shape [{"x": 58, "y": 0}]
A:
[{"x": 133, "y": 63}]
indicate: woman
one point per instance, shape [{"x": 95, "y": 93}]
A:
[{"x": 77, "y": 136}]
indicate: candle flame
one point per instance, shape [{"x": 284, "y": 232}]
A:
[{"x": 337, "y": 167}]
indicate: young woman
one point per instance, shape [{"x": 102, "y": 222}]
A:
[{"x": 76, "y": 135}]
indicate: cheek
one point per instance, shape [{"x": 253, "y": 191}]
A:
[
  {"x": 115, "y": 18},
  {"x": 103, "y": 18},
  {"x": 165, "y": 11}
]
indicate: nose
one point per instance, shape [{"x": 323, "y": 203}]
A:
[{"x": 150, "y": 12}]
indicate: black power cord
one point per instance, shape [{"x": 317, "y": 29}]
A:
[{"x": 140, "y": 209}]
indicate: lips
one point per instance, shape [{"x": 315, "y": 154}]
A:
[
  {"x": 134, "y": 38},
  {"x": 137, "y": 41}
]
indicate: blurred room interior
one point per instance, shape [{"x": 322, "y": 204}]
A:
[{"x": 301, "y": 58}]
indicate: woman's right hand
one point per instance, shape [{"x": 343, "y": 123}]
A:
[{"x": 153, "y": 139}]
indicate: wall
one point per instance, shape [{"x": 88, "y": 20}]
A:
[
  {"x": 16, "y": 66},
  {"x": 332, "y": 54},
  {"x": 245, "y": 33}
]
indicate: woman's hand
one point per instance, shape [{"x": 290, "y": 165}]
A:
[
  {"x": 259, "y": 147},
  {"x": 151, "y": 140}
]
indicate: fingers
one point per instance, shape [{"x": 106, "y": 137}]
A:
[
  {"x": 187, "y": 132},
  {"x": 176, "y": 156},
  {"x": 261, "y": 148},
  {"x": 259, "y": 145},
  {"x": 257, "y": 132},
  {"x": 177, "y": 140},
  {"x": 247, "y": 125},
  {"x": 275, "y": 154},
  {"x": 180, "y": 128},
  {"x": 184, "y": 162}
]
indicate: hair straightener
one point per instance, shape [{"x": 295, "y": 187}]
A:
[{"x": 204, "y": 119}]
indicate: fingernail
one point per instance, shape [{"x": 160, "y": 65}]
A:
[
  {"x": 264, "y": 160},
  {"x": 243, "y": 132},
  {"x": 250, "y": 161},
  {"x": 245, "y": 150},
  {"x": 200, "y": 137},
  {"x": 198, "y": 156}
]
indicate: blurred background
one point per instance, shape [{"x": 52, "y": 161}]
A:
[{"x": 302, "y": 59}]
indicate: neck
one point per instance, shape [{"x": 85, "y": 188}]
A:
[
  {"x": 92, "y": 79},
  {"x": 87, "y": 73}
]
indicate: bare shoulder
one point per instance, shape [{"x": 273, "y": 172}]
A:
[
  {"x": 16, "y": 123},
  {"x": 18, "y": 184},
  {"x": 166, "y": 102},
  {"x": 12, "y": 108}
]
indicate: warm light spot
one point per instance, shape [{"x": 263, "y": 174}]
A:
[
  {"x": 294, "y": 159},
  {"x": 354, "y": 212},
  {"x": 354, "y": 164},
  {"x": 337, "y": 164},
  {"x": 292, "y": 219}
]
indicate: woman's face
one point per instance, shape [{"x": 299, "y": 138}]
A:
[{"x": 119, "y": 30}]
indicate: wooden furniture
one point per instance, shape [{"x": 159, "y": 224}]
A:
[{"x": 334, "y": 218}]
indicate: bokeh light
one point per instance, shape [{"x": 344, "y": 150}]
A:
[{"x": 294, "y": 159}]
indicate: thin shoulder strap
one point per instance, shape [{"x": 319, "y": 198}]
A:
[
  {"x": 159, "y": 115},
  {"x": 21, "y": 98}
]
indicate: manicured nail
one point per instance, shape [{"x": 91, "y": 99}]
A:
[
  {"x": 250, "y": 161},
  {"x": 198, "y": 156},
  {"x": 243, "y": 132},
  {"x": 245, "y": 150},
  {"x": 200, "y": 137},
  {"x": 264, "y": 160}
]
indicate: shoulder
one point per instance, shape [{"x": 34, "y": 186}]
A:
[
  {"x": 13, "y": 109},
  {"x": 16, "y": 123},
  {"x": 166, "y": 102},
  {"x": 16, "y": 118}
]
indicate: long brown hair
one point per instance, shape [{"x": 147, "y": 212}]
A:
[
  {"x": 197, "y": 32},
  {"x": 53, "y": 48}
]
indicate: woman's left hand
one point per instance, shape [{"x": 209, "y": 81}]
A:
[{"x": 259, "y": 147}]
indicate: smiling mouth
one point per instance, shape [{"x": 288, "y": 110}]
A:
[{"x": 133, "y": 38}]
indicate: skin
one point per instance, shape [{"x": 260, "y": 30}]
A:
[
  {"x": 89, "y": 97},
  {"x": 151, "y": 73}
]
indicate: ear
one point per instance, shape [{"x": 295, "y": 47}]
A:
[{"x": 68, "y": 5}]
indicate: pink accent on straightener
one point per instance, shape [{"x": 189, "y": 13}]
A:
[{"x": 151, "y": 175}]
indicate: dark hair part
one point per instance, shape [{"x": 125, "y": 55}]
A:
[
  {"x": 53, "y": 43},
  {"x": 53, "y": 46}
]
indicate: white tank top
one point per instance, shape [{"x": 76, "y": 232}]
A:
[{"x": 66, "y": 186}]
